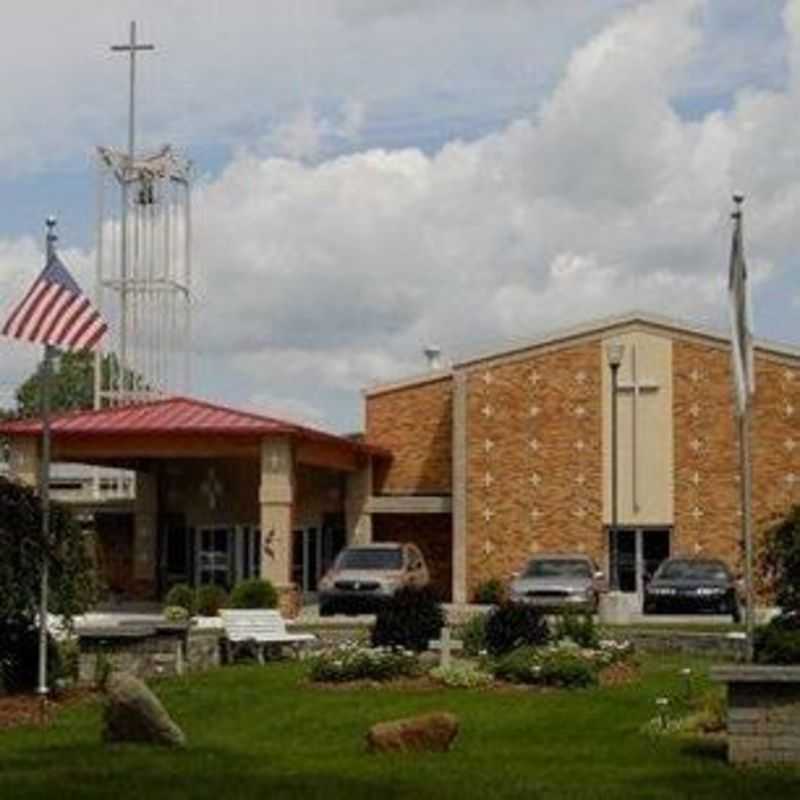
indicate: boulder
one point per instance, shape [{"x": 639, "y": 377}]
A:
[
  {"x": 433, "y": 732},
  {"x": 133, "y": 713}
]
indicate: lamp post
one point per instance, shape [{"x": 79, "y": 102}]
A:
[{"x": 614, "y": 353}]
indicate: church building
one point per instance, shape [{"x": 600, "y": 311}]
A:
[{"x": 511, "y": 453}]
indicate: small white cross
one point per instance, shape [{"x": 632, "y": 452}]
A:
[
  {"x": 697, "y": 513},
  {"x": 534, "y": 411},
  {"x": 698, "y": 548},
  {"x": 488, "y": 548},
  {"x": 487, "y": 377},
  {"x": 790, "y": 444},
  {"x": 788, "y": 375},
  {"x": 535, "y": 378},
  {"x": 488, "y": 480},
  {"x": 580, "y": 479},
  {"x": 580, "y": 376},
  {"x": 579, "y": 445},
  {"x": 534, "y": 443},
  {"x": 788, "y": 410},
  {"x": 445, "y": 645},
  {"x": 488, "y": 514},
  {"x": 580, "y": 513},
  {"x": 580, "y": 411},
  {"x": 488, "y": 444},
  {"x": 791, "y": 479},
  {"x": 694, "y": 409},
  {"x": 535, "y": 479},
  {"x": 696, "y": 478},
  {"x": 535, "y": 513},
  {"x": 695, "y": 375},
  {"x": 486, "y": 410},
  {"x": 695, "y": 444},
  {"x": 211, "y": 488}
]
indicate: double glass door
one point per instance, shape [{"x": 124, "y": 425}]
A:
[
  {"x": 227, "y": 555},
  {"x": 314, "y": 550},
  {"x": 634, "y": 555}
]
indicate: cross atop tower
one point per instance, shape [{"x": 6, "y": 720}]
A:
[{"x": 132, "y": 47}]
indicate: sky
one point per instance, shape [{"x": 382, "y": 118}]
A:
[{"x": 373, "y": 176}]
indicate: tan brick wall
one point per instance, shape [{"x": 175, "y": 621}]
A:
[
  {"x": 432, "y": 533},
  {"x": 707, "y": 493},
  {"x": 533, "y": 460},
  {"x": 415, "y": 423}
]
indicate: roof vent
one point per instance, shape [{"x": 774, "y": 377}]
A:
[{"x": 434, "y": 356}]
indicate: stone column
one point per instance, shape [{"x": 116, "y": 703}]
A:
[
  {"x": 276, "y": 498},
  {"x": 357, "y": 516},
  {"x": 24, "y": 462},
  {"x": 145, "y": 534},
  {"x": 459, "y": 487}
]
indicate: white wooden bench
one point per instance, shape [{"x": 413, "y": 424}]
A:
[{"x": 259, "y": 629}]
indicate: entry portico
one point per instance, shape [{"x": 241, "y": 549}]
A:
[{"x": 221, "y": 494}]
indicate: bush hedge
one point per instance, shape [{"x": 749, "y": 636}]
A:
[
  {"x": 511, "y": 625},
  {"x": 254, "y": 593},
  {"x": 779, "y": 641},
  {"x": 491, "y": 592},
  {"x": 182, "y": 595},
  {"x": 411, "y": 618},
  {"x": 19, "y": 656},
  {"x": 210, "y": 599}
]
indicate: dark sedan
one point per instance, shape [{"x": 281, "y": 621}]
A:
[{"x": 691, "y": 586}]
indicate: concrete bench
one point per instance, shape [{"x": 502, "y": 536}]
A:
[{"x": 259, "y": 629}]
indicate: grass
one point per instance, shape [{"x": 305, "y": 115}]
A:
[{"x": 258, "y": 732}]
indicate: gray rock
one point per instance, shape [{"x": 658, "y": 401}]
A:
[
  {"x": 433, "y": 732},
  {"x": 133, "y": 713}
]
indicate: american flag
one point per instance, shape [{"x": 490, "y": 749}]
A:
[{"x": 56, "y": 312}]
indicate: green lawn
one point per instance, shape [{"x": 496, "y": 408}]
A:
[{"x": 257, "y": 733}]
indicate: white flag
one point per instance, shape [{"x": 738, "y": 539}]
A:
[{"x": 744, "y": 376}]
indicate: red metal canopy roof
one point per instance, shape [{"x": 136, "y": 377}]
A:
[{"x": 174, "y": 416}]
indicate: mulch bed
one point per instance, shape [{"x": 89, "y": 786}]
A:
[
  {"x": 620, "y": 673},
  {"x": 26, "y": 709}
]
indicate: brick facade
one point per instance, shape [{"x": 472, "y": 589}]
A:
[
  {"x": 534, "y": 471},
  {"x": 432, "y": 533},
  {"x": 707, "y": 495},
  {"x": 416, "y": 424}
]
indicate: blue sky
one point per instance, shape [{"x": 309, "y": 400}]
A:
[{"x": 374, "y": 175}]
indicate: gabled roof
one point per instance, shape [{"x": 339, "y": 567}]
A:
[
  {"x": 176, "y": 416},
  {"x": 598, "y": 327}
]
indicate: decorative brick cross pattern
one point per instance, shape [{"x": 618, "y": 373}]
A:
[{"x": 212, "y": 488}]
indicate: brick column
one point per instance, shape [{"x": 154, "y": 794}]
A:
[
  {"x": 276, "y": 498},
  {"x": 459, "y": 487},
  {"x": 358, "y": 518},
  {"x": 145, "y": 535}
]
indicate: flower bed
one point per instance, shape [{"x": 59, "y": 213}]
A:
[{"x": 355, "y": 662}]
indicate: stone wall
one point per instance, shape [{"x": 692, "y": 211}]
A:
[
  {"x": 763, "y": 714},
  {"x": 432, "y": 533},
  {"x": 534, "y": 467},
  {"x": 415, "y": 423}
]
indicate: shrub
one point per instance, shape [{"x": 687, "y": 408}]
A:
[
  {"x": 780, "y": 562},
  {"x": 176, "y": 614},
  {"x": 518, "y": 666},
  {"x": 210, "y": 599},
  {"x": 512, "y": 625},
  {"x": 352, "y": 662},
  {"x": 567, "y": 668},
  {"x": 473, "y": 635},
  {"x": 579, "y": 629},
  {"x": 411, "y": 619},
  {"x": 254, "y": 593},
  {"x": 491, "y": 592},
  {"x": 19, "y": 656},
  {"x": 181, "y": 594},
  {"x": 461, "y": 676},
  {"x": 779, "y": 641}
]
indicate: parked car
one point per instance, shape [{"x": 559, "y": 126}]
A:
[
  {"x": 559, "y": 581},
  {"x": 364, "y": 576},
  {"x": 693, "y": 585}
]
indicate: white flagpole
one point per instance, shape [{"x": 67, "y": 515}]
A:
[
  {"x": 44, "y": 484},
  {"x": 744, "y": 413}
]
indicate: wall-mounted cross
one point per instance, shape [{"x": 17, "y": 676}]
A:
[
  {"x": 636, "y": 388},
  {"x": 212, "y": 488}
]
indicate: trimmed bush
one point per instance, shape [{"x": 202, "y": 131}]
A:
[
  {"x": 411, "y": 618},
  {"x": 181, "y": 594},
  {"x": 473, "y": 635},
  {"x": 352, "y": 662},
  {"x": 491, "y": 592},
  {"x": 210, "y": 599},
  {"x": 175, "y": 614},
  {"x": 579, "y": 629},
  {"x": 780, "y": 562},
  {"x": 518, "y": 666},
  {"x": 567, "y": 669},
  {"x": 461, "y": 676},
  {"x": 513, "y": 625},
  {"x": 254, "y": 593},
  {"x": 19, "y": 656},
  {"x": 779, "y": 641}
]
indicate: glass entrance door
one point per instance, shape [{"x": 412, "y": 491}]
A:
[
  {"x": 214, "y": 556},
  {"x": 314, "y": 551},
  {"x": 634, "y": 555}
]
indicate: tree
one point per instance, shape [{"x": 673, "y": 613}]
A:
[
  {"x": 780, "y": 561},
  {"x": 72, "y": 387}
]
